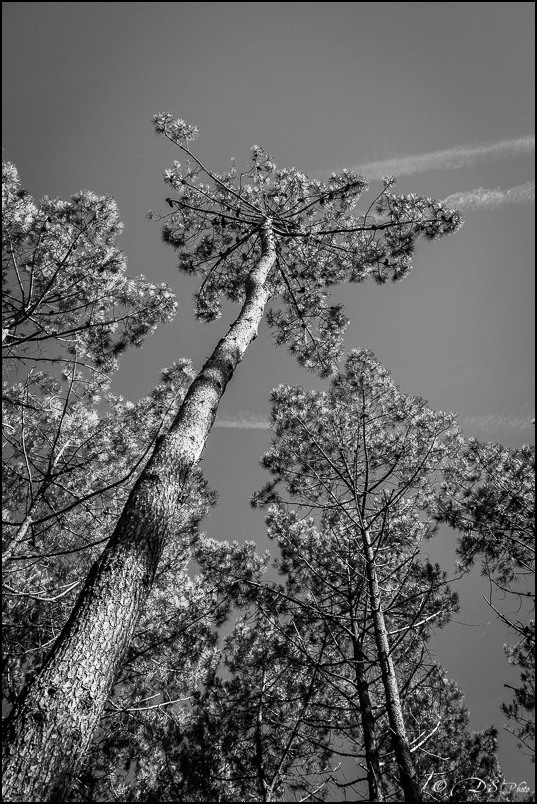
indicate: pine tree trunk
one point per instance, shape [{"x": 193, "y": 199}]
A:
[
  {"x": 405, "y": 763},
  {"x": 52, "y": 723},
  {"x": 23, "y": 529},
  {"x": 368, "y": 724}
]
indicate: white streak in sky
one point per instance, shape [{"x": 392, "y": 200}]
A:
[
  {"x": 498, "y": 422},
  {"x": 491, "y": 422},
  {"x": 495, "y": 197},
  {"x": 457, "y": 157},
  {"x": 243, "y": 422}
]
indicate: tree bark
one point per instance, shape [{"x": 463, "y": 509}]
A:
[
  {"x": 368, "y": 724},
  {"x": 19, "y": 536},
  {"x": 52, "y": 723},
  {"x": 407, "y": 771}
]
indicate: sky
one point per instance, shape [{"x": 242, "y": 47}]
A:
[{"x": 438, "y": 94}]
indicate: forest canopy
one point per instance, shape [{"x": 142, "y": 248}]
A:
[{"x": 145, "y": 661}]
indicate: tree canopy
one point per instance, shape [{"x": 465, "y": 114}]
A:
[
  {"x": 322, "y": 239},
  {"x": 122, "y": 683}
]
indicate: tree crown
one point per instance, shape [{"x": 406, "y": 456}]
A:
[{"x": 322, "y": 238}]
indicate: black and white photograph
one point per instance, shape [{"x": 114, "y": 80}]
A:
[{"x": 268, "y": 482}]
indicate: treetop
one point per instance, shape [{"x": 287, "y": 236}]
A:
[{"x": 322, "y": 238}]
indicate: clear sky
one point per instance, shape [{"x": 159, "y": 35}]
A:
[{"x": 439, "y": 94}]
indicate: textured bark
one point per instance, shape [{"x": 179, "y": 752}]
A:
[
  {"x": 407, "y": 771},
  {"x": 53, "y": 721},
  {"x": 368, "y": 724},
  {"x": 25, "y": 526}
]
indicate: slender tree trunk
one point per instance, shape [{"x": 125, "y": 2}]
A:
[
  {"x": 368, "y": 724},
  {"x": 261, "y": 777},
  {"x": 52, "y": 723},
  {"x": 18, "y": 537},
  {"x": 405, "y": 763}
]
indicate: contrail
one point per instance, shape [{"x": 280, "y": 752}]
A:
[
  {"x": 483, "y": 422},
  {"x": 243, "y": 422},
  {"x": 450, "y": 158},
  {"x": 495, "y": 197},
  {"x": 498, "y": 422}
]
